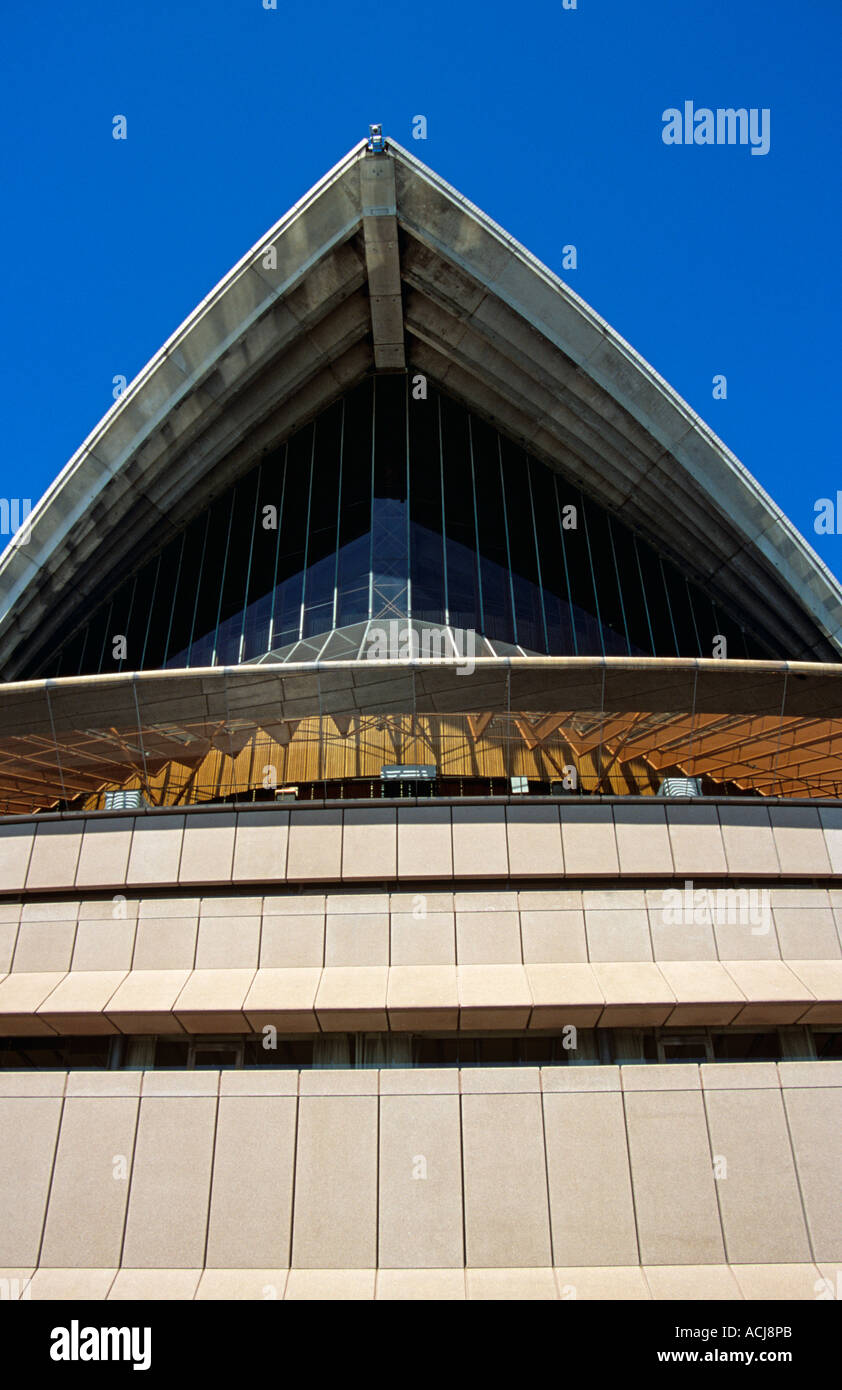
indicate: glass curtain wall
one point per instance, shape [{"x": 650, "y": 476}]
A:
[{"x": 390, "y": 507}]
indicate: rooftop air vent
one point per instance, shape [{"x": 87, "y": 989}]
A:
[
  {"x": 681, "y": 786},
  {"x": 125, "y": 801}
]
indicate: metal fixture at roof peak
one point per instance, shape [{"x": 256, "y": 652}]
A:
[{"x": 376, "y": 142}]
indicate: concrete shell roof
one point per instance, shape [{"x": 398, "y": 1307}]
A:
[{"x": 383, "y": 265}]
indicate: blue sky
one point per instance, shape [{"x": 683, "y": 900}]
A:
[{"x": 708, "y": 260}]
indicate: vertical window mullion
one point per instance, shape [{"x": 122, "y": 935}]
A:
[
  {"x": 619, "y": 582},
  {"x": 307, "y": 531},
  {"x": 172, "y": 602},
  {"x": 645, "y": 595},
  {"x": 222, "y": 577},
  {"x": 129, "y": 617},
  {"x": 476, "y": 523},
  {"x": 537, "y": 551},
  {"x": 84, "y": 649},
  {"x": 593, "y": 574},
  {"x": 566, "y": 569},
  {"x": 669, "y": 603},
  {"x": 151, "y": 610},
  {"x": 199, "y": 578},
  {"x": 278, "y": 523},
  {"x": 338, "y": 517},
  {"x": 443, "y": 517},
  {"x": 508, "y": 546},
  {"x": 693, "y": 616},
  {"x": 105, "y": 638},
  {"x": 248, "y": 570},
  {"x": 408, "y": 522},
  {"x": 371, "y": 499}
]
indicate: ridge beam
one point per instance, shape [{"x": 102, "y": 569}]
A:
[{"x": 380, "y": 229}]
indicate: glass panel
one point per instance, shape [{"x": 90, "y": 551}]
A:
[
  {"x": 30, "y": 772},
  {"x": 98, "y": 739},
  {"x": 551, "y": 556},
  {"x": 340, "y": 525},
  {"x": 494, "y": 556},
  {"x": 210, "y": 578},
  {"x": 426, "y": 545},
  {"x": 69, "y": 659},
  {"x": 182, "y": 597},
  {"x": 705, "y": 617},
  {"x": 264, "y": 557},
  {"x": 286, "y": 624},
  {"x": 634, "y": 602},
  {"x": 682, "y": 612},
  {"x": 144, "y": 599},
  {"x": 98, "y": 630},
  {"x": 731, "y": 631},
  {"x": 162, "y": 604},
  {"x": 354, "y": 558},
  {"x": 579, "y": 572},
  {"x": 230, "y": 626},
  {"x": 601, "y": 550},
  {"x": 660, "y": 619},
  {"x": 529, "y": 613},
  {"x": 389, "y": 561},
  {"x": 320, "y": 578},
  {"x": 460, "y": 543},
  {"x": 117, "y": 638}
]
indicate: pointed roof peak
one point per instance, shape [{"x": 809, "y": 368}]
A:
[{"x": 383, "y": 265}]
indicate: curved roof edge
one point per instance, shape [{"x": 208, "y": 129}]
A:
[
  {"x": 799, "y": 688},
  {"x": 561, "y": 378},
  {"x": 777, "y": 537}
]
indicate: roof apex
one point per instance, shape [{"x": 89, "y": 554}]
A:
[{"x": 340, "y": 285}]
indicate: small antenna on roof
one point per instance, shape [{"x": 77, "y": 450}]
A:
[{"x": 376, "y": 143}]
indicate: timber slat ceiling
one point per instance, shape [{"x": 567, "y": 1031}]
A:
[{"x": 613, "y": 756}]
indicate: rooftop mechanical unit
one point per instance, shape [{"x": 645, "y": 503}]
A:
[
  {"x": 681, "y": 786},
  {"x": 125, "y": 801}
]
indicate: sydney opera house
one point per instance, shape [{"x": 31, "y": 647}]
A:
[{"x": 420, "y": 823}]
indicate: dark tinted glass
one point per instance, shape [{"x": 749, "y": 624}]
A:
[
  {"x": 354, "y": 557},
  {"x": 654, "y": 586},
  {"x": 604, "y": 565},
  {"x": 460, "y": 527},
  {"x": 235, "y": 574},
  {"x": 493, "y": 538},
  {"x": 264, "y": 556},
  {"x": 389, "y": 515},
  {"x": 557, "y": 614},
  {"x": 426, "y": 511},
  {"x": 523, "y": 555},
  {"x": 320, "y": 577},
  {"x": 579, "y": 571},
  {"x": 631, "y": 585},
  {"x": 390, "y": 506}
]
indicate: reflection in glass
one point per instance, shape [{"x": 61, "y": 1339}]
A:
[{"x": 388, "y": 507}]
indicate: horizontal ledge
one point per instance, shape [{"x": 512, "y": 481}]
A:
[
  {"x": 419, "y": 998},
  {"x": 643, "y": 1282}
]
